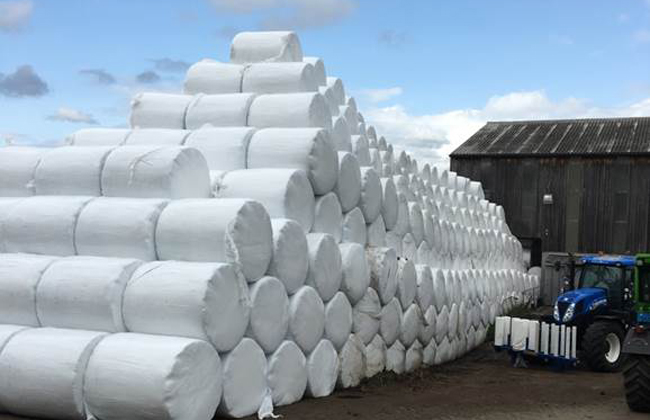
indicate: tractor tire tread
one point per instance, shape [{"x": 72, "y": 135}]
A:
[
  {"x": 594, "y": 347},
  {"x": 636, "y": 377}
]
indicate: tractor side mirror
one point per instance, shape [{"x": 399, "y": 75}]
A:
[{"x": 627, "y": 293}]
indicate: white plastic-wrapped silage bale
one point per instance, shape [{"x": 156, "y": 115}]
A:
[
  {"x": 371, "y": 194},
  {"x": 287, "y": 374},
  {"x": 119, "y": 227},
  {"x": 361, "y": 150},
  {"x": 146, "y": 377},
  {"x": 290, "y": 261},
  {"x": 356, "y": 272},
  {"x": 416, "y": 222},
  {"x": 340, "y": 135},
  {"x": 227, "y": 110},
  {"x": 366, "y": 316},
  {"x": 319, "y": 69},
  {"x": 389, "y": 203},
  {"x": 279, "y": 78},
  {"x": 328, "y": 217},
  {"x": 325, "y": 265},
  {"x": 429, "y": 353},
  {"x": 269, "y": 46},
  {"x": 306, "y": 318},
  {"x": 213, "y": 77},
  {"x": 413, "y": 357},
  {"x": 409, "y": 248},
  {"x": 376, "y": 235},
  {"x": 402, "y": 226},
  {"x": 390, "y": 321},
  {"x": 224, "y": 148},
  {"x": 322, "y": 370},
  {"x": 354, "y": 227},
  {"x": 338, "y": 320},
  {"x": 269, "y": 313},
  {"x": 307, "y": 149},
  {"x": 425, "y": 292},
  {"x": 285, "y": 193},
  {"x": 395, "y": 358},
  {"x": 99, "y": 137},
  {"x": 290, "y": 110},
  {"x": 383, "y": 272},
  {"x": 226, "y": 230},
  {"x": 20, "y": 275},
  {"x": 156, "y": 172},
  {"x": 156, "y": 137},
  {"x": 375, "y": 356},
  {"x": 17, "y": 166},
  {"x": 70, "y": 171},
  {"x": 84, "y": 293},
  {"x": 442, "y": 325},
  {"x": 406, "y": 282},
  {"x": 159, "y": 110},
  {"x": 43, "y": 225},
  {"x": 352, "y": 360},
  {"x": 411, "y": 324},
  {"x": 348, "y": 185},
  {"x": 428, "y": 326},
  {"x": 42, "y": 372},
  {"x": 208, "y": 301}
]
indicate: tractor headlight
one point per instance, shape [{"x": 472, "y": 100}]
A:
[
  {"x": 568, "y": 315},
  {"x": 556, "y": 313}
]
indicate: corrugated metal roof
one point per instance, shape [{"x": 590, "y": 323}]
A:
[{"x": 598, "y": 136}]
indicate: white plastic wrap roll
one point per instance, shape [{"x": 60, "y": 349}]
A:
[
  {"x": 328, "y": 217},
  {"x": 340, "y": 134},
  {"x": 376, "y": 236},
  {"x": 371, "y": 194},
  {"x": 371, "y": 133},
  {"x": 307, "y": 149},
  {"x": 285, "y": 193},
  {"x": 442, "y": 325},
  {"x": 395, "y": 358},
  {"x": 366, "y": 316},
  {"x": 279, "y": 78},
  {"x": 269, "y": 313},
  {"x": 290, "y": 261},
  {"x": 228, "y": 110},
  {"x": 196, "y": 300},
  {"x": 429, "y": 228},
  {"x": 409, "y": 248},
  {"x": 413, "y": 357},
  {"x": 98, "y": 137},
  {"x": 17, "y": 166},
  {"x": 389, "y": 203},
  {"x": 119, "y": 227},
  {"x": 325, "y": 266},
  {"x": 338, "y": 320},
  {"x": 271, "y": 46},
  {"x": 306, "y": 318},
  {"x": 393, "y": 240},
  {"x": 159, "y": 110},
  {"x": 354, "y": 227},
  {"x": 429, "y": 353},
  {"x": 375, "y": 160},
  {"x": 443, "y": 352},
  {"x": 224, "y": 148},
  {"x": 290, "y": 110},
  {"x": 352, "y": 362},
  {"x": 425, "y": 292},
  {"x": 287, "y": 374},
  {"x": 84, "y": 293},
  {"x": 43, "y": 225},
  {"x": 151, "y": 377},
  {"x": 212, "y": 77},
  {"x": 245, "y": 381},
  {"x": 428, "y": 326},
  {"x": 350, "y": 114},
  {"x": 416, "y": 222},
  {"x": 423, "y": 254},
  {"x": 361, "y": 150},
  {"x": 156, "y": 172},
  {"x": 402, "y": 226},
  {"x": 226, "y": 230},
  {"x": 348, "y": 186},
  {"x": 330, "y": 95},
  {"x": 42, "y": 372},
  {"x": 356, "y": 272},
  {"x": 383, "y": 272},
  {"x": 19, "y": 278},
  {"x": 411, "y": 324},
  {"x": 70, "y": 170},
  {"x": 156, "y": 137},
  {"x": 375, "y": 356},
  {"x": 319, "y": 69},
  {"x": 406, "y": 282},
  {"x": 453, "y": 322},
  {"x": 322, "y": 370},
  {"x": 390, "y": 321}
]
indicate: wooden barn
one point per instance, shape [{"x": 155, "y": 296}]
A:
[{"x": 566, "y": 185}]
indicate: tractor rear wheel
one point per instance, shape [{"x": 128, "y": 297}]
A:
[
  {"x": 602, "y": 346},
  {"x": 636, "y": 375}
]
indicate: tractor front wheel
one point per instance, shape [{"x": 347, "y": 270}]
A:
[
  {"x": 636, "y": 375},
  {"x": 602, "y": 346}
]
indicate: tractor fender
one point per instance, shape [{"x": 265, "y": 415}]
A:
[{"x": 637, "y": 342}]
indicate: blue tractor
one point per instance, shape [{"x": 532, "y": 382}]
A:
[{"x": 598, "y": 299}]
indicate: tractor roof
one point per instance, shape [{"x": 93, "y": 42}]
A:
[{"x": 609, "y": 260}]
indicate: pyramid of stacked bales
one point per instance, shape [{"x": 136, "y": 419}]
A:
[{"x": 248, "y": 243}]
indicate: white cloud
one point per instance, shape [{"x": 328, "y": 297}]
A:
[
  {"x": 15, "y": 14},
  {"x": 642, "y": 36},
  {"x": 290, "y": 14},
  {"x": 381, "y": 95},
  {"x": 72, "y": 116},
  {"x": 431, "y": 138}
]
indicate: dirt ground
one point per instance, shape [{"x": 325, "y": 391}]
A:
[{"x": 481, "y": 386}]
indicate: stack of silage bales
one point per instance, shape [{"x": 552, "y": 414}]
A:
[{"x": 248, "y": 242}]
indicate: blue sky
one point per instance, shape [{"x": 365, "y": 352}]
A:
[{"x": 426, "y": 73}]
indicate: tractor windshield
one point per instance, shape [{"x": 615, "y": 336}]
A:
[{"x": 604, "y": 276}]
